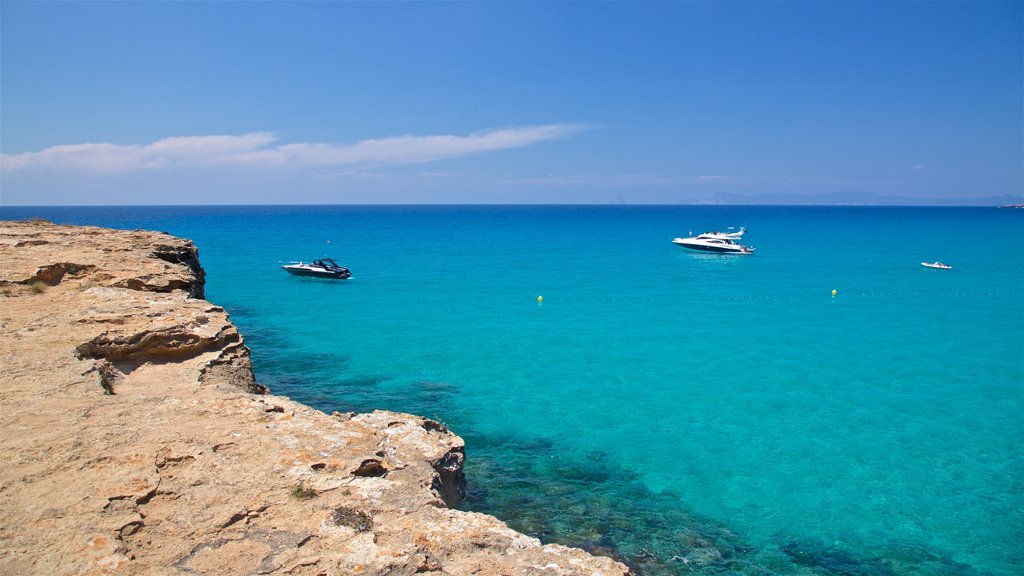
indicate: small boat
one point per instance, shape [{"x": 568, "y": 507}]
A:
[
  {"x": 720, "y": 242},
  {"x": 938, "y": 265},
  {"x": 323, "y": 268}
]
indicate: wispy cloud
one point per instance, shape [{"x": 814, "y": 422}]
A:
[{"x": 263, "y": 149}]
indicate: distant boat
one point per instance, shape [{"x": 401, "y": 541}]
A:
[
  {"x": 323, "y": 268},
  {"x": 719, "y": 242},
  {"x": 938, "y": 265}
]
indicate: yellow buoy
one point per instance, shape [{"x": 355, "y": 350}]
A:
[
  {"x": 833, "y": 293},
  {"x": 540, "y": 299}
]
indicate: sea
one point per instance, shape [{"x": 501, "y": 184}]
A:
[{"x": 826, "y": 406}]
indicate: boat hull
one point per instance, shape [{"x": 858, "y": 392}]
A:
[
  {"x": 715, "y": 249},
  {"x": 305, "y": 272}
]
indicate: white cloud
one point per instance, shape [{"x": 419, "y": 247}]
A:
[
  {"x": 259, "y": 149},
  {"x": 918, "y": 166}
]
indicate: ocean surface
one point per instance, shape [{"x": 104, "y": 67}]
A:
[{"x": 684, "y": 412}]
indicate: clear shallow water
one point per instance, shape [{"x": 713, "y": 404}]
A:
[{"x": 685, "y": 412}]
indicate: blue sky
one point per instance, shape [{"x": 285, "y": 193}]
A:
[{"x": 507, "y": 102}]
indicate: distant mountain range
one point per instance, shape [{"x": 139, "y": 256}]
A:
[{"x": 858, "y": 199}]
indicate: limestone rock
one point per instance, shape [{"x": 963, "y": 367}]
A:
[{"x": 136, "y": 441}]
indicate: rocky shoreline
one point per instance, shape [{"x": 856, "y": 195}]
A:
[{"x": 135, "y": 439}]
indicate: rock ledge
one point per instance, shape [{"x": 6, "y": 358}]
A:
[{"x": 135, "y": 439}]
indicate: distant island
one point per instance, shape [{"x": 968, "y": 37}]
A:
[{"x": 859, "y": 199}]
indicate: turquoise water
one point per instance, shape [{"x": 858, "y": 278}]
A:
[{"x": 687, "y": 413}]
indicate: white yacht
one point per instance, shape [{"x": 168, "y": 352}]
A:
[{"x": 720, "y": 242}]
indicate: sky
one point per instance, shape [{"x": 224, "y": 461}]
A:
[{"x": 509, "y": 102}]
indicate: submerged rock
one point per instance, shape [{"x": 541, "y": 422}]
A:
[{"x": 832, "y": 560}]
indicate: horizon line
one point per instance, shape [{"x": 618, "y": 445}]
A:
[{"x": 528, "y": 204}]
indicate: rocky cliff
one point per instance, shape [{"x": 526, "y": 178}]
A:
[{"x": 135, "y": 440}]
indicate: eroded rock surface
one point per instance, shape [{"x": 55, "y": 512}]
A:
[{"x": 135, "y": 440}]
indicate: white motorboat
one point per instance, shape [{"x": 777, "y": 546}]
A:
[
  {"x": 323, "y": 268},
  {"x": 937, "y": 265},
  {"x": 721, "y": 242},
  {"x": 718, "y": 242}
]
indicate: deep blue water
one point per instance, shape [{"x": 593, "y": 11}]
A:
[{"x": 688, "y": 413}]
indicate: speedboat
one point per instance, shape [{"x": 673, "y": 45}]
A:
[
  {"x": 720, "y": 242},
  {"x": 323, "y": 268},
  {"x": 938, "y": 265}
]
